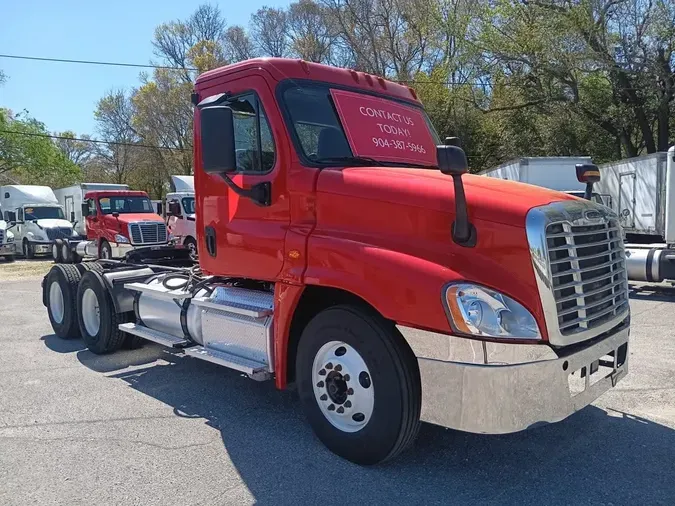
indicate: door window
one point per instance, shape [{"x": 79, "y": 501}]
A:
[
  {"x": 92, "y": 207},
  {"x": 19, "y": 214},
  {"x": 253, "y": 141}
]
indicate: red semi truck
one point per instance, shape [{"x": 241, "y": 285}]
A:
[
  {"x": 344, "y": 250},
  {"x": 115, "y": 221}
]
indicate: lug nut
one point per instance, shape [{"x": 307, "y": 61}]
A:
[
  {"x": 322, "y": 372},
  {"x": 345, "y": 377},
  {"x": 340, "y": 410},
  {"x": 331, "y": 407},
  {"x": 329, "y": 365},
  {"x": 338, "y": 368},
  {"x": 348, "y": 404},
  {"x": 320, "y": 384},
  {"x": 350, "y": 391},
  {"x": 324, "y": 397}
]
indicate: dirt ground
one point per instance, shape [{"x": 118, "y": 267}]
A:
[{"x": 21, "y": 268}]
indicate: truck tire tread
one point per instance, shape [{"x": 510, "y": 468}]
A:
[
  {"x": 68, "y": 278},
  {"x": 379, "y": 440}
]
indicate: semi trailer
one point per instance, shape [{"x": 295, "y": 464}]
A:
[
  {"x": 344, "y": 250},
  {"x": 642, "y": 192}
]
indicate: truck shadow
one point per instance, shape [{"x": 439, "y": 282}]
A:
[
  {"x": 59, "y": 345},
  {"x": 593, "y": 457},
  {"x": 652, "y": 292}
]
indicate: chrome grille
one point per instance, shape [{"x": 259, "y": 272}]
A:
[
  {"x": 588, "y": 274},
  {"x": 2, "y": 236},
  {"x": 579, "y": 265},
  {"x": 147, "y": 233},
  {"x": 58, "y": 233}
]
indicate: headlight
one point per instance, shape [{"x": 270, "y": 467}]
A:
[
  {"x": 10, "y": 237},
  {"x": 36, "y": 236},
  {"x": 119, "y": 238},
  {"x": 478, "y": 311}
]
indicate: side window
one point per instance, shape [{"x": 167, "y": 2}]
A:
[
  {"x": 92, "y": 207},
  {"x": 19, "y": 214},
  {"x": 252, "y": 135}
]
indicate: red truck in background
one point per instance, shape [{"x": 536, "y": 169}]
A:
[
  {"x": 343, "y": 249},
  {"x": 116, "y": 222}
]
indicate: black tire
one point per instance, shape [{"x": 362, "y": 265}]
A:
[
  {"x": 75, "y": 257},
  {"x": 395, "y": 418},
  {"x": 66, "y": 252},
  {"x": 191, "y": 244},
  {"x": 104, "y": 249},
  {"x": 67, "y": 277},
  {"x": 108, "y": 338},
  {"x": 10, "y": 258},
  {"x": 56, "y": 251},
  {"x": 132, "y": 342},
  {"x": 28, "y": 251}
]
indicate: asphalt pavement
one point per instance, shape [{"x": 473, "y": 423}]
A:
[{"x": 152, "y": 427}]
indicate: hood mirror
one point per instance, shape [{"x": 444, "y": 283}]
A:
[
  {"x": 452, "y": 161},
  {"x": 589, "y": 174}
]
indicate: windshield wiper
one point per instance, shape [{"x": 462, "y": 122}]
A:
[{"x": 352, "y": 160}]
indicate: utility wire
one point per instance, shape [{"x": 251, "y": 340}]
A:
[
  {"x": 92, "y": 62},
  {"x": 95, "y": 141}
]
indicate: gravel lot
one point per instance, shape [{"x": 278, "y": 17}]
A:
[{"x": 150, "y": 427}]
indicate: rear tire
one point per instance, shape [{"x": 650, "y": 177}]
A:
[
  {"x": 381, "y": 375},
  {"x": 66, "y": 252},
  {"x": 97, "y": 317},
  {"x": 60, "y": 295},
  {"x": 56, "y": 251}
]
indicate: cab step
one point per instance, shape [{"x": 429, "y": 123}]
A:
[
  {"x": 154, "y": 335},
  {"x": 255, "y": 370}
]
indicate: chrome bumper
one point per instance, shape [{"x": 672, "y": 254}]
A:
[
  {"x": 41, "y": 247},
  {"x": 7, "y": 249},
  {"x": 495, "y": 388}
]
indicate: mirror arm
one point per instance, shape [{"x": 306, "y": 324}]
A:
[
  {"x": 588, "y": 194},
  {"x": 463, "y": 232},
  {"x": 260, "y": 193}
]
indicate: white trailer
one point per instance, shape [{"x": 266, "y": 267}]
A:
[
  {"x": 642, "y": 193},
  {"x": 72, "y": 197},
  {"x": 35, "y": 216},
  {"x": 556, "y": 172},
  {"x": 180, "y": 212}
]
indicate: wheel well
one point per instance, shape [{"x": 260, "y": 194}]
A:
[{"x": 313, "y": 300}]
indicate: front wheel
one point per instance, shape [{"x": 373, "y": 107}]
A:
[
  {"x": 191, "y": 245},
  {"x": 104, "y": 250},
  {"x": 28, "y": 250},
  {"x": 359, "y": 384}
]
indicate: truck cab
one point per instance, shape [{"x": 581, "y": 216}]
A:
[
  {"x": 119, "y": 221},
  {"x": 36, "y": 219},
  {"x": 180, "y": 212},
  {"x": 344, "y": 249},
  {"x": 7, "y": 244}
]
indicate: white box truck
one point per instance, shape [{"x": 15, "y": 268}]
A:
[
  {"x": 642, "y": 193},
  {"x": 36, "y": 219},
  {"x": 72, "y": 198},
  {"x": 180, "y": 212}
]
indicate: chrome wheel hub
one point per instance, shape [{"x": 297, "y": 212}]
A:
[
  {"x": 343, "y": 386},
  {"x": 56, "y": 304},
  {"x": 91, "y": 313}
]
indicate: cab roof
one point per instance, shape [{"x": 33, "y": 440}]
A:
[
  {"x": 285, "y": 68},
  {"x": 114, "y": 193}
]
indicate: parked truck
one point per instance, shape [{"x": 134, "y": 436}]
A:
[
  {"x": 180, "y": 212},
  {"x": 36, "y": 219},
  {"x": 114, "y": 222},
  {"x": 555, "y": 172},
  {"x": 7, "y": 244},
  {"x": 344, "y": 250},
  {"x": 72, "y": 197},
  {"x": 642, "y": 194}
]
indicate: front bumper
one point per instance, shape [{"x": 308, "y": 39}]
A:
[
  {"x": 8, "y": 249},
  {"x": 495, "y": 388},
  {"x": 120, "y": 249},
  {"x": 41, "y": 247}
]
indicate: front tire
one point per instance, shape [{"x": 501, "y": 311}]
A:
[
  {"x": 28, "y": 251},
  {"x": 191, "y": 245},
  {"x": 104, "y": 250},
  {"x": 359, "y": 384}
]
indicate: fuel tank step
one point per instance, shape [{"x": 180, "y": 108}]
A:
[
  {"x": 255, "y": 370},
  {"x": 154, "y": 335}
]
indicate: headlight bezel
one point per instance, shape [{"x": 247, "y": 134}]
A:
[
  {"x": 122, "y": 239},
  {"x": 460, "y": 320}
]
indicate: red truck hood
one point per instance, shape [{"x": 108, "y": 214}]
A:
[
  {"x": 136, "y": 217},
  {"x": 489, "y": 199}
]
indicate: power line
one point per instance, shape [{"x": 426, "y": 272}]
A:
[
  {"x": 95, "y": 141},
  {"x": 93, "y": 62}
]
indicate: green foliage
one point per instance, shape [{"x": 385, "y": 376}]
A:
[{"x": 30, "y": 158}]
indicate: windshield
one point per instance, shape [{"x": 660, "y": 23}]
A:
[
  {"x": 189, "y": 205},
  {"x": 43, "y": 213},
  {"x": 331, "y": 125},
  {"x": 124, "y": 204}
]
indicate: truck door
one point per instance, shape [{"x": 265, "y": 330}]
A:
[
  {"x": 248, "y": 237},
  {"x": 94, "y": 224},
  {"x": 627, "y": 199}
]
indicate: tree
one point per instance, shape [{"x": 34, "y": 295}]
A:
[
  {"x": 77, "y": 151},
  {"x": 238, "y": 45},
  {"x": 309, "y": 31},
  {"x": 269, "y": 27},
  {"x": 28, "y": 155}
]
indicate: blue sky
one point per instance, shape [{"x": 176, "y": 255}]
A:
[{"x": 62, "y": 95}]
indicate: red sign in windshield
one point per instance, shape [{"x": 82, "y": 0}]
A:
[{"x": 383, "y": 129}]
